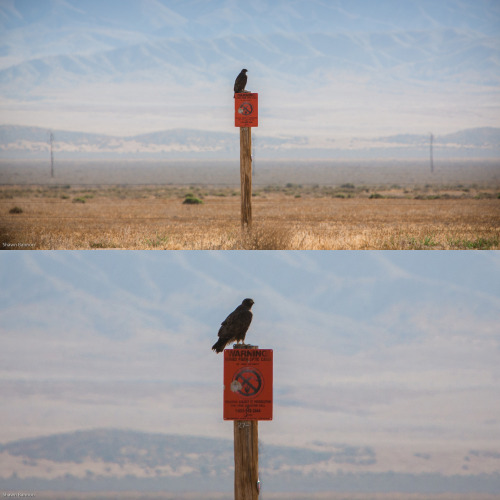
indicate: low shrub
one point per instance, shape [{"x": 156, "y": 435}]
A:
[{"x": 190, "y": 199}]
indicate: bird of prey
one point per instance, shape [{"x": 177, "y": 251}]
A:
[
  {"x": 235, "y": 326},
  {"x": 240, "y": 82}
]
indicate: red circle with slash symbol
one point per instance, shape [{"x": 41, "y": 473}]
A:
[{"x": 251, "y": 381}]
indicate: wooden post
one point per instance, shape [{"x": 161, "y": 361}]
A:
[
  {"x": 246, "y": 459},
  {"x": 246, "y": 176},
  {"x": 246, "y": 453}
]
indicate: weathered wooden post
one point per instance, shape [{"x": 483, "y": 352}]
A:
[
  {"x": 246, "y": 115},
  {"x": 246, "y": 176},
  {"x": 246, "y": 460},
  {"x": 248, "y": 398}
]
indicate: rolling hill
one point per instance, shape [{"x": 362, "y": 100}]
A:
[
  {"x": 120, "y": 460},
  {"x": 33, "y": 143}
]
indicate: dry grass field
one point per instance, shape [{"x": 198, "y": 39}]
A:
[
  {"x": 74, "y": 495},
  {"x": 289, "y": 217}
]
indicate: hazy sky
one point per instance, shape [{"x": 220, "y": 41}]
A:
[
  {"x": 322, "y": 69},
  {"x": 371, "y": 348}
]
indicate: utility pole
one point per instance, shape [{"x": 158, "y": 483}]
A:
[
  {"x": 51, "y": 154},
  {"x": 431, "y": 152},
  {"x": 253, "y": 157}
]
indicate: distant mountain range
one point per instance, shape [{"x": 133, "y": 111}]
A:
[
  {"x": 119, "y": 460},
  {"x": 33, "y": 143}
]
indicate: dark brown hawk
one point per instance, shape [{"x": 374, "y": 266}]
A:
[
  {"x": 240, "y": 82},
  {"x": 235, "y": 326}
]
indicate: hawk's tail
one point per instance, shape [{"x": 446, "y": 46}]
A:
[{"x": 219, "y": 346}]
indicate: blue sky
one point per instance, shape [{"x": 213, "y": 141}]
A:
[
  {"x": 397, "y": 349},
  {"x": 322, "y": 69}
]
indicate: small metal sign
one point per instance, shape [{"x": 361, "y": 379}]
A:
[
  {"x": 248, "y": 384},
  {"x": 246, "y": 109}
]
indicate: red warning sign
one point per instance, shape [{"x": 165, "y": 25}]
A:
[
  {"x": 246, "y": 109},
  {"x": 248, "y": 384}
]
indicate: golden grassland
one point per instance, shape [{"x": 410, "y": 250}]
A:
[
  {"x": 290, "y": 217},
  {"x": 74, "y": 495}
]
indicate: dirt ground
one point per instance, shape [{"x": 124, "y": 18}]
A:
[{"x": 289, "y": 217}]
